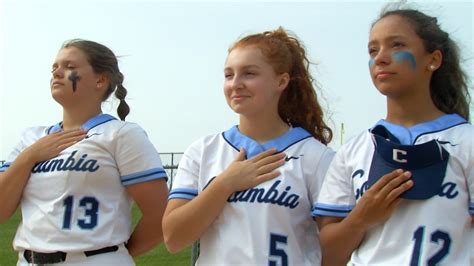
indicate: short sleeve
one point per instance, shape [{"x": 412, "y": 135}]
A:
[
  {"x": 136, "y": 157},
  {"x": 471, "y": 193},
  {"x": 336, "y": 197},
  {"x": 470, "y": 177},
  {"x": 28, "y": 136},
  {"x": 185, "y": 183},
  {"x": 317, "y": 174},
  {"x": 12, "y": 156}
]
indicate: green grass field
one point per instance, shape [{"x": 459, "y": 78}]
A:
[{"x": 157, "y": 256}]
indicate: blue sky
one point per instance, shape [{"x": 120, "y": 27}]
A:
[{"x": 172, "y": 56}]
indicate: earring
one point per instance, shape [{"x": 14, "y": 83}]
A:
[{"x": 432, "y": 67}]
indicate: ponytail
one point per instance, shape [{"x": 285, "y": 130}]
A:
[
  {"x": 298, "y": 104},
  {"x": 103, "y": 60},
  {"x": 123, "y": 109}
]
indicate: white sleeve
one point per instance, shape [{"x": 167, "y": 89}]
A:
[
  {"x": 470, "y": 177},
  {"x": 12, "y": 156},
  {"x": 318, "y": 173},
  {"x": 185, "y": 183},
  {"x": 136, "y": 157},
  {"x": 28, "y": 136},
  {"x": 336, "y": 197}
]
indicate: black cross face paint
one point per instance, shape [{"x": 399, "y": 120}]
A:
[{"x": 74, "y": 77}]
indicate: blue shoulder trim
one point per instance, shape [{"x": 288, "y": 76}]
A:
[
  {"x": 183, "y": 193},
  {"x": 238, "y": 140},
  {"x": 98, "y": 120},
  {"x": 408, "y": 136},
  {"x": 91, "y": 123},
  {"x": 49, "y": 129},
  {"x": 55, "y": 128},
  {"x": 471, "y": 208},
  {"x": 5, "y": 166},
  {"x": 321, "y": 209},
  {"x": 151, "y": 174}
]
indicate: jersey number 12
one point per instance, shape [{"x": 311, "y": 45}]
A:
[{"x": 436, "y": 237}]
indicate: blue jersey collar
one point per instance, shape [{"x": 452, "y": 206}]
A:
[
  {"x": 91, "y": 123},
  {"x": 238, "y": 140},
  {"x": 408, "y": 136}
]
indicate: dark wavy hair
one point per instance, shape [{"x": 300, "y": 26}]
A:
[{"x": 448, "y": 86}]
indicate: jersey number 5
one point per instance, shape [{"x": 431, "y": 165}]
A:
[
  {"x": 275, "y": 251},
  {"x": 436, "y": 237},
  {"x": 91, "y": 212}
]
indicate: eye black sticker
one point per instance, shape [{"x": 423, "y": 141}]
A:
[{"x": 74, "y": 77}]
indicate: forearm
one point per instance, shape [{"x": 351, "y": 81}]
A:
[
  {"x": 147, "y": 235},
  {"x": 12, "y": 183},
  {"x": 339, "y": 240},
  {"x": 185, "y": 224}
]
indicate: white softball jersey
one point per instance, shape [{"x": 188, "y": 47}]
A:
[
  {"x": 428, "y": 230},
  {"x": 77, "y": 201},
  {"x": 270, "y": 224}
]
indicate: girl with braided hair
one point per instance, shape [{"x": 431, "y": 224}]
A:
[{"x": 75, "y": 181}]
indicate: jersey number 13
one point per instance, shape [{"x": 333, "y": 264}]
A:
[{"x": 91, "y": 212}]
